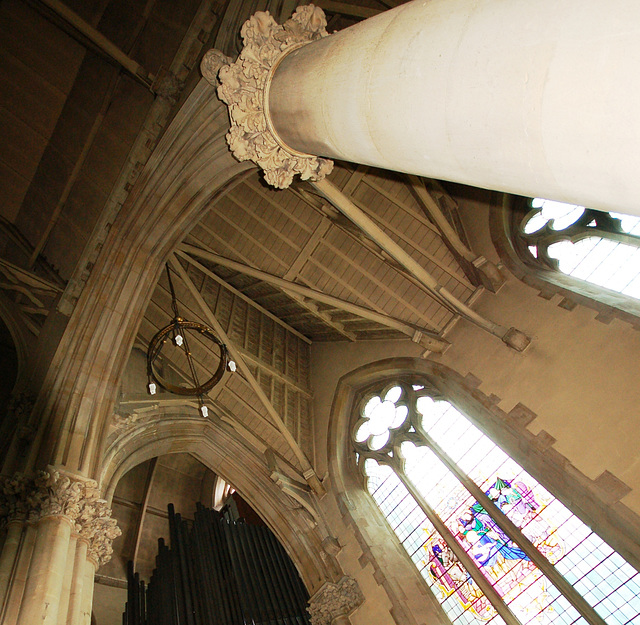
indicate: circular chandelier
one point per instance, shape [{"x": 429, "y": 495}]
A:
[{"x": 176, "y": 334}]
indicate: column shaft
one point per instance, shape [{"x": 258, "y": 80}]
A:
[
  {"x": 17, "y": 584},
  {"x": 10, "y": 551},
  {"x": 533, "y": 98},
  {"x": 46, "y": 572},
  {"x": 67, "y": 581},
  {"x": 76, "y": 594},
  {"x": 87, "y": 593}
]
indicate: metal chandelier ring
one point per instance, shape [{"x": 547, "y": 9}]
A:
[{"x": 156, "y": 345}]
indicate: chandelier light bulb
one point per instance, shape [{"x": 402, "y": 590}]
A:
[
  {"x": 232, "y": 365},
  {"x": 152, "y": 388},
  {"x": 178, "y": 340},
  {"x": 205, "y": 411}
]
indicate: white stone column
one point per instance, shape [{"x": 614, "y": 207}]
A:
[
  {"x": 69, "y": 531},
  {"x": 67, "y": 580},
  {"x": 19, "y": 579},
  {"x": 87, "y": 592},
  {"x": 532, "y": 98}
]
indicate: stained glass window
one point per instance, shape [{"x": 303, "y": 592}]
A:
[
  {"x": 598, "y": 247},
  {"x": 493, "y": 545}
]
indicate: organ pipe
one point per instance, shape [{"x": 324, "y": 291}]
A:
[{"x": 217, "y": 572}]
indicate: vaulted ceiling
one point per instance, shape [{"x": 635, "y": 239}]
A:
[{"x": 279, "y": 271}]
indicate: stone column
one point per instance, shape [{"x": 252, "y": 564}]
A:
[
  {"x": 333, "y": 603},
  {"x": 67, "y": 581},
  {"x": 87, "y": 593},
  {"x": 11, "y": 607},
  {"x": 16, "y": 549},
  {"x": 10, "y": 551},
  {"x": 74, "y": 614},
  {"x": 43, "y": 587},
  {"x": 516, "y": 96},
  {"x": 69, "y": 533}
]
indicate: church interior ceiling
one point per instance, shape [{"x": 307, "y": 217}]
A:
[{"x": 78, "y": 131}]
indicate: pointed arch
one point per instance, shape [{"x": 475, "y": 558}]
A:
[
  {"x": 613, "y": 521},
  {"x": 216, "y": 445}
]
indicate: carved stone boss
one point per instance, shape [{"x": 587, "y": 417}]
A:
[
  {"x": 52, "y": 494},
  {"x": 244, "y": 87},
  {"x": 333, "y": 601}
]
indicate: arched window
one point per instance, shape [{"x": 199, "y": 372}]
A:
[
  {"x": 593, "y": 246},
  {"x": 492, "y": 544}
]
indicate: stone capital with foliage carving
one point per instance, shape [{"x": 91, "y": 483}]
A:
[
  {"x": 55, "y": 494},
  {"x": 51, "y": 493},
  {"x": 96, "y": 525},
  {"x": 13, "y": 497},
  {"x": 242, "y": 88},
  {"x": 335, "y": 600}
]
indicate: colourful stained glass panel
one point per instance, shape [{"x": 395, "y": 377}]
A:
[
  {"x": 606, "y": 581},
  {"x": 462, "y": 600}
]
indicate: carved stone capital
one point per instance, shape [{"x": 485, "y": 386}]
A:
[
  {"x": 244, "y": 88},
  {"x": 212, "y": 62},
  {"x": 50, "y": 493},
  {"x": 95, "y": 524},
  {"x": 333, "y": 601},
  {"x": 13, "y": 497},
  {"x": 55, "y": 494}
]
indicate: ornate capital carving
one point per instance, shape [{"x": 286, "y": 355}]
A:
[
  {"x": 335, "y": 600},
  {"x": 212, "y": 62},
  {"x": 243, "y": 87},
  {"x": 55, "y": 494},
  {"x": 95, "y": 524},
  {"x": 13, "y": 497},
  {"x": 52, "y": 494}
]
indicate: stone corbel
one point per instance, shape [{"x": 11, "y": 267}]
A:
[
  {"x": 307, "y": 506},
  {"x": 333, "y": 603},
  {"x": 244, "y": 87}
]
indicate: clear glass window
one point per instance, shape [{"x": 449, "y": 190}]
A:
[{"x": 597, "y": 247}]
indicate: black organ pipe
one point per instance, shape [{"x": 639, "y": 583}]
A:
[
  {"x": 265, "y": 598},
  {"x": 287, "y": 599},
  {"x": 272, "y": 588},
  {"x": 217, "y": 572},
  {"x": 249, "y": 602}
]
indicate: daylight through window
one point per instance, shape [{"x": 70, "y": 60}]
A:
[
  {"x": 491, "y": 543},
  {"x": 601, "y": 248}
]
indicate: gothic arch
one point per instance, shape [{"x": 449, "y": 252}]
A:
[
  {"x": 612, "y": 520},
  {"x": 217, "y": 447},
  {"x": 505, "y": 215},
  {"x": 191, "y": 166}
]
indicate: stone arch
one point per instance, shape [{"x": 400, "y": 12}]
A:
[
  {"x": 217, "y": 446},
  {"x": 612, "y": 520},
  {"x": 504, "y": 218},
  {"x": 189, "y": 169},
  {"x": 21, "y": 340}
]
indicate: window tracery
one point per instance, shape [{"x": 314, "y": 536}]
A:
[
  {"x": 492, "y": 544},
  {"x": 594, "y": 246}
]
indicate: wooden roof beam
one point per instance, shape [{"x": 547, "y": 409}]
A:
[
  {"x": 478, "y": 269},
  {"x": 307, "y": 470},
  {"x": 513, "y": 337},
  {"x": 424, "y": 336}
]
